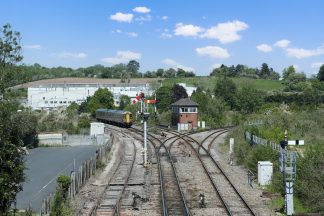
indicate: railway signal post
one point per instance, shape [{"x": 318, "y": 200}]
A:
[
  {"x": 145, "y": 118},
  {"x": 288, "y": 168}
]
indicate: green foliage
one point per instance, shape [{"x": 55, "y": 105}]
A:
[
  {"x": 245, "y": 71},
  {"x": 102, "y": 98},
  {"x": 164, "y": 98},
  {"x": 133, "y": 67},
  {"x": 287, "y": 72},
  {"x": 320, "y": 74},
  {"x": 164, "y": 118},
  {"x": 309, "y": 97},
  {"x": 124, "y": 101},
  {"x": 213, "y": 112},
  {"x": 295, "y": 82},
  {"x": 84, "y": 122},
  {"x": 10, "y": 54},
  {"x": 178, "y": 92},
  {"x": 310, "y": 177},
  {"x": 61, "y": 204},
  {"x": 261, "y": 153},
  {"x": 226, "y": 89},
  {"x": 200, "y": 98},
  {"x": 249, "y": 100},
  {"x": 17, "y": 129}
]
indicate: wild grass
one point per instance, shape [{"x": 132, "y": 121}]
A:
[{"x": 209, "y": 82}]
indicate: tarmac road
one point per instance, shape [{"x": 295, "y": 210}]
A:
[{"x": 44, "y": 166}]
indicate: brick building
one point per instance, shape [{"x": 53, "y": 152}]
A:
[{"x": 185, "y": 111}]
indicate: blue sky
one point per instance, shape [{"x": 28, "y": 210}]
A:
[{"x": 193, "y": 35}]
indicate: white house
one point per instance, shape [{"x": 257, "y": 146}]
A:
[
  {"x": 189, "y": 90},
  {"x": 49, "y": 96}
]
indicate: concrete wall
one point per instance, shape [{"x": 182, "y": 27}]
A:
[{"x": 50, "y": 139}]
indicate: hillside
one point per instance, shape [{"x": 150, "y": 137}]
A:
[{"x": 209, "y": 82}]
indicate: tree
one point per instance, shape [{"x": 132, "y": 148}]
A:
[
  {"x": 220, "y": 71},
  {"x": 170, "y": 73},
  {"x": 200, "y": 98},
  {"x": 287, "y": 72},
  {"x": 225, "y": 88},
  {"x": 249, "y": 99},
  {"x": 10, "y": 53},
  {"x": 102, "y": 98},
  {"x": 124, "y": 101},
  {"x": 133, "y": 67},
  {"x": 181, "y": 72},
  {"x": 265, "y": 71},
  {"x": 320, "y": 74},
  {"x": 160, "y": 72},
  {"x": 178, "y": 92},
  {"x": 164, "y": 98},
  {"x": 17, "y": 129}
]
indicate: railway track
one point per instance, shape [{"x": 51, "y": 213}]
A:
[
  {"x": 108, "y": 202},
  {"x": 232, "y": 200},
  {"x": 173, "y": 201}
]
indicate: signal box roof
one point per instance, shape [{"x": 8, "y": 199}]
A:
[{"x": 184, "y": 102}]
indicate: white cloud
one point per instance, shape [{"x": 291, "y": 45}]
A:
[
  {"x": 165, "y": 35},
  {"x": 217, "y": 65},
  {"x": 122, "y": 57},
  {"x": 282, "y": 43},
  {"x": 165, "y": 18},
  {"x": 264, "y": 48},
  {"x": 304, "y": 53},
  {"x": 187, "y": 30},
  {"x": 296, "y": 66},
  {"x": 122, "y": 17},
  {"x": 132, "y": 34},
  {"x": 316, "y": 65},
  {"x": 67, "y": 55},
  {"x": 226, "y": 32},
  {"x": 145, "y": 18},
  {"x": 213, "y": 51},
  {"x": 142, "y": 10},
  {"x": 33, "y": 46},
  {"x": 172, "y": 63}
]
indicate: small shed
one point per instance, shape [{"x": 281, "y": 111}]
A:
[{"x": 185, "y": 111}]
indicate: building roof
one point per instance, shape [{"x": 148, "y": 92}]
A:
[
  {"x": 185, "y": 102},
  {"x": 84, "y": 80}
]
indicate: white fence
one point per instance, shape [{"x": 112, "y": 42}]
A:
[{"x": 254, "y": 140}]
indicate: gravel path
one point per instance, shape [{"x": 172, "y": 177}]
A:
[{"x": 238, "y": 176}]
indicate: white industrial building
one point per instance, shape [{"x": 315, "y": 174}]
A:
[{"x": 50, "y": 96}]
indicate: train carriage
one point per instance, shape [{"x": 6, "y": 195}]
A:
[{"x": 115, "y": 117}]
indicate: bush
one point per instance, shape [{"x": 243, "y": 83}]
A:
[
  {"x": 61, "y": 204},
  {"x": 310, "y": 177}
]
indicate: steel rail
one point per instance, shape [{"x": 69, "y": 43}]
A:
[
  {"x": 186, "y": 210},
  {"x": 217, "y": 165},
  {"x": 116, "y": 206}
]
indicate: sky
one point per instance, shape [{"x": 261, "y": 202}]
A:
[{"x": 192, "y": 35}]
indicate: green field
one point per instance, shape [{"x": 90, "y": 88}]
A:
[{"x": 209, "y": 82}]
